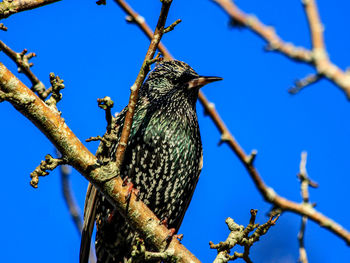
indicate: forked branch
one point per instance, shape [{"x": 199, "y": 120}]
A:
[{"x": 316, "y": 57}]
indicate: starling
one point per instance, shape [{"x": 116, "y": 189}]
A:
[{"x": 163, "y": 158}]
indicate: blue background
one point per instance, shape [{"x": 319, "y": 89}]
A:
[{"x": 98, "y": 54}]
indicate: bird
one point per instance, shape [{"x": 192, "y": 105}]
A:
[{"x": 163, "y": 159}]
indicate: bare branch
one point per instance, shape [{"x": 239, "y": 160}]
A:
[
  {"x": 22, "y": 62},
  {"x": 50, "y": 164},
  {"x": 56, "y": 86},
  {"x": 140, "y": 21},
  {"x": 10, "y": 7},
  {"x": 317, "y": 57},
  {"x": 240, "y": 235},
  {"x": 172, "y": 26},
  {"x": 158, "y": 33},
  {"x": 302, "y": 250},
  {"x": 302, "y": 83},
  {"x": 67, "y": 192},
  {"x": 267, "y": 33},
  {"x": 305, "y": 182}
]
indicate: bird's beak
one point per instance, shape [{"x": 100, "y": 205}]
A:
[{"x": 201, "y": 81}]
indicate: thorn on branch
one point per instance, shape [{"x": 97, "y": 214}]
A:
[
  {"x": 106, "y": 104},
  {"x": 49, "y": 163},
  {"x": 302, "y": 83},
  {"x": 56, "y": 86},
  {"x": 3, "y": 27},
  {"x": 172, "y": 26}
]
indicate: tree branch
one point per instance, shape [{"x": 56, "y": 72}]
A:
[
  {"x": 267, "y": 33},
  {"x": 242, "y": 236},
  {"x": 22, "y": 61},
  {"x": 140, "y": 21},
  {"x": 305, "y": 182},
  {"x": 10, "y": 7},
  {"x": 155, "y": 40},
  {"x": 317, "y": 57}
]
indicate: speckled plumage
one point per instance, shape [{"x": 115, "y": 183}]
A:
[{"x": 163, "y": 158}]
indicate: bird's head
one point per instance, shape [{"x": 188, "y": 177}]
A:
[{"x": 174, "y": 77}]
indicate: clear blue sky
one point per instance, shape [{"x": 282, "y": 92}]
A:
[{"x": 98, "y": 54}]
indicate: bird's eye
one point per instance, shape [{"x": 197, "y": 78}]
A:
[{"x": 185, "y": 77}]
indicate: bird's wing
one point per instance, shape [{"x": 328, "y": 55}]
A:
[
  {"x": 89, "y": 220},
  {"x": 188, "y": 201}
]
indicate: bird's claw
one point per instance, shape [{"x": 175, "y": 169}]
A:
[{"x": 131, "y": 190}]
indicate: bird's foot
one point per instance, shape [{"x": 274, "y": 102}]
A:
[{"x": 131, "y": 190}]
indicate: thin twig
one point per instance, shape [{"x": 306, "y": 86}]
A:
[
  {"x": 71, "y": 203},
  {"x": 10, "y": 7},
  {"x": 49, "y": 164},
  {"x": 267, "y": 193},
  {"x": 316, "y": 57},
  {"x": 140, "y": 21},
  {"x": 302, "y": 83},
  {"x": 275, "y": 43},
  {"x": 172, "y": 26},
  {"x": 67, "y": 192},
  {"x": 305, "y": 195},
  {"x": 22, "y": 61},
  {"x": 302, "y": 250},
  {"x": 158, "y": 33},
  {"x": 305, "y": 182}
]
